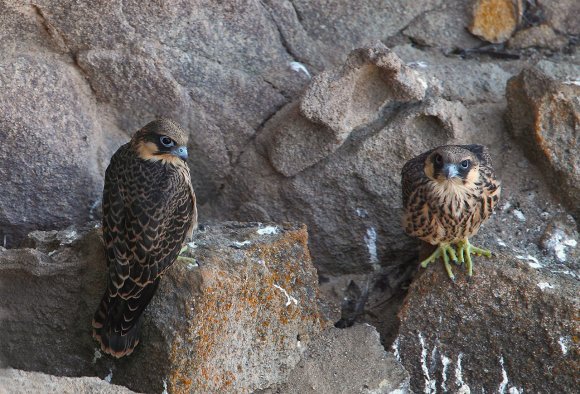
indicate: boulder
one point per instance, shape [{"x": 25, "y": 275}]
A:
[
  {"x": 496, "y": 20},
  {"x": 543, "y": 114},
  {"x": 14, "y": 381},
  {"x": 348, "y": 360},
  {"x": 562, "y": 15},
  {"x": 237, "y": 319},
  {"x": 511, "y": 327},
  {"x": 542, "y": 36},
  {"x": 51, "y": 144},
  {"x": 336, "y": 103},
  {"x": 444, "y": 27}
]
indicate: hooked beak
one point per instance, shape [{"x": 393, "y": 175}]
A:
[
  {"x": 450, "y": 171},
  {"x": 180, "y": 151}
]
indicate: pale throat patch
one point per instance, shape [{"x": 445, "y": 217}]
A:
[
  {"x": 452, "y": 191},
  {"x": 148, "y": 150}
]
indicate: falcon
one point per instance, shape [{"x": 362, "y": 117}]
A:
[
  {"x": 149, "y": 213},
  {"x": 448, "y": 192}
]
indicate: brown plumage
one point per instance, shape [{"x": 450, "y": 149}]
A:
[
  {"x": 149, "y": 212},
  {"x": 448, "y": 192}
]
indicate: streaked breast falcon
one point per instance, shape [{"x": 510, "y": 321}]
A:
[
  {"x": 149, "y": 213},
  {"x": 448, "y": 192}
]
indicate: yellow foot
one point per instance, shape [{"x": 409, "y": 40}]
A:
[
  {"x": 186, "y": 259},
  {"x": 445, "y": 251},
  {"x": 465, "y": 250}
]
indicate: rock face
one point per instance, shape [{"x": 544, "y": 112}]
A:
[
  {"x": 341, "y": 146},
  {"x": 336, "y": 103},
  {"x": 544, "y": 115},
  {"x": 346, "y": 361},
  {"x": 511, "y": 327},
  {"x": 237, "y": 320},
  {"x": 496, "y": 20},
  {"x": 13, "y": 381},
  {"x": 36, "y": 167}
]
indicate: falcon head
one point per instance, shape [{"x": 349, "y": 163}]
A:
[
  {"x": 452, "y": 164},
  {"x": 161, "y": 139}
]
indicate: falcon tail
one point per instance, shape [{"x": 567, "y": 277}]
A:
[{"x": 117, "y": 321}]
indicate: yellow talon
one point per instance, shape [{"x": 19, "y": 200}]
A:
[
  {"x": 445, "y": 251},
  {"x": 465, "y": 251}
]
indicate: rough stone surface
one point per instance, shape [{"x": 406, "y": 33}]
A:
[
  {"x": 495, "y": 20},
  {"x": 544, "y": 115},
  {"x": 351, "y": 360},
  {"x": 354, "y": 94},
  {"x": 511, "y": 327},
  {"x": 233, "y": 73},
  {"x": 13, "y": 381},
  {"x": 237, "y": 320},
  {"x": 36, "y": 167},
  {"x": 336, "y": 103},
  {"x": 444, "y": 27},
  {"x": 542, "y": 36},
  {"x": 562, "y": 15}
]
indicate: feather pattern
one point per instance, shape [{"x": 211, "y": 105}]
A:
[
  {"x": 149, "y": 212},
  {"x": 448, "y": 211}
]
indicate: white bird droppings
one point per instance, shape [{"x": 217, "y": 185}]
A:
[
  {"x": 519, "y": 215},
  {"x": 395, "y": 347},
  {"x": 109, "y": 377},
  {"x": 289, "y": 298},
  {"x": 445, "y": 361},
  {"x": 238, "y": 244},
  {"x": 430, "y": 384},
  {"x": 418, "y": 64},
  {"x": 504, "y": 381},
  {"x": 299, "y": 67},
  {"x": 534, "y": 261},
  {"x": 563, "y": 345},
  {"x": 371, "y": 242},
  {"x": 545, "y": 285},
  {"x": 268, "y": 230},
  {"x": 97, "y": 355}
]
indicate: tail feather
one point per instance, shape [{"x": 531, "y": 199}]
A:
[{"x": 117, "y": 321}]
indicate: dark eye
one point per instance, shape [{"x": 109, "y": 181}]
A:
[
  {"x": 166, "y": 141},
  {"x": 465, "y": 163},
  {"x": 438, "y": 159}
]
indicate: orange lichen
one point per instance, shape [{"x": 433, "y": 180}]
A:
[
  {"x": 245, "y": 294},
  {"x": 495, "y": 20}
]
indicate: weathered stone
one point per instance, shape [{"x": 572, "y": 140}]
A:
[
  {"x": 562, "y": 15},
  {"x": 560, "y": 239},
  {"x": 360, "y": 181},
  {"x": 353, "y": 95},
  {"x": 13, "y": 381},
  {"x": 542, "y": 36},
  {"x": 346, "y": 25},
  {"x": 495, "y": 20},
  {"x": 336, "y": 103},
  {"x": 455, "y": 79},
  {"x": 50, "y": 146},
  {"x": 350, "y": 360},
  {"x": 293, "y": 143},
  {"x": 237, "y": 320},
  {"x": 544, "y": 115},
  {"x": 444, "y": 28},
  {"x": 511, "y": 327}
]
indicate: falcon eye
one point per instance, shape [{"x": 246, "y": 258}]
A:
[
  {"x": 465, "y": 163},
  {"x": 166, "y": 141},
  {"x": 438, "y": 159}
]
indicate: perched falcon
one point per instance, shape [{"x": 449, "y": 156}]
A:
[
  {"x": 149, "y": 213},
  {"x": 447, "y": 193}
]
